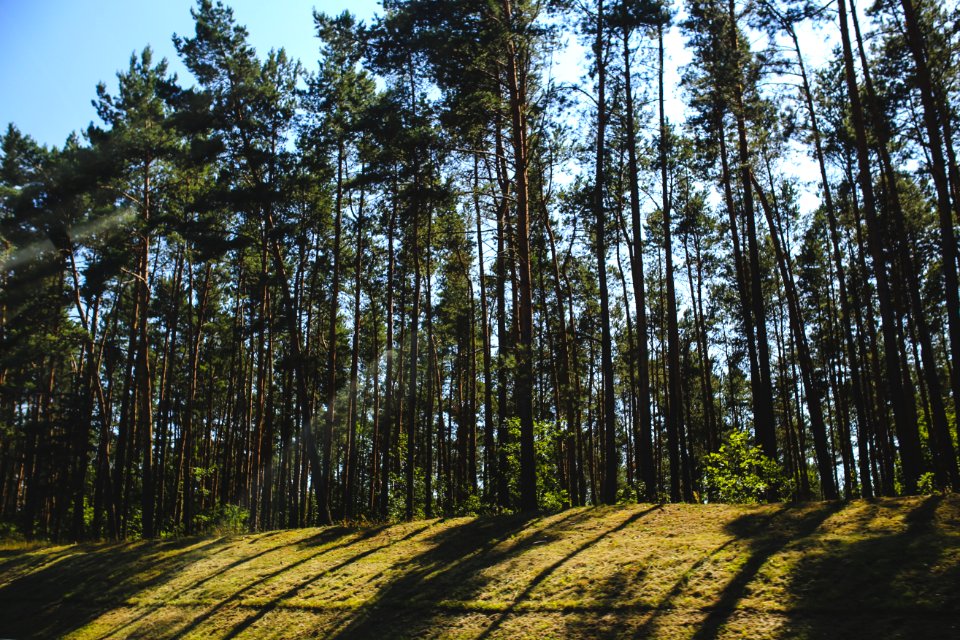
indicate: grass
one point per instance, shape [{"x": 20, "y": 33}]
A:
[{"x": 887, "y": 568}]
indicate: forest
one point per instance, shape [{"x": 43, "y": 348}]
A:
[{"x": 420, "y": 276}]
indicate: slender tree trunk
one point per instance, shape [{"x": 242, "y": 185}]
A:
[
  {"x": 387, "y": 419},
  {"x": 351, "y": 470},
  {"x": 643, "y": 437},
  {"x": 763, "y": 405},
  {"x": 706, "y": 368},
  {"x": 326, "y": 439},
  {"x": 143, "y": 373},
  {"x": 567, "y": 391},
  {"x": 432, "y": 375},
  {"x": 741, "y": 274},
  {"x": 516, "y": 57},
  {"x": 609, "y": 433},
  {"x": 675, "y": 405},
  {"x": 414, "y": 244},
  {"x": 863, "y": 431},
  {"x": 304, "y": 397},
  {"x": 941, "y": 444},
  {"x": 504, "y": 337},
  {"x": 489, "y": 452},
  {"x": 814, "y": 401}
]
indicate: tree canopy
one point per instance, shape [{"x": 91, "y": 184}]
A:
[{"x": 422, "y": 276}]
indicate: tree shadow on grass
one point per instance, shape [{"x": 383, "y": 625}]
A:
[
  {"x": 326, "y": 542},
  {"x": 262, "y": 611},
  {"x": 901, "y": 583},
  {"x": 322, "y": 540},
  {"x": 546, "y": 572},
  {"x": 763, "y": 535},
  {"x": 447, "y": 583},
  {"x": 74, "y": 586},
  {"x": 764, "y": 543},
  {"x": 875, "y": 578},
  {"x": 871, "y": 572},
  {"x": 48, "y": 593},
  {"x": 430, "y": 584}
]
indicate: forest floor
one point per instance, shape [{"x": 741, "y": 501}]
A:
[{"x": 887, "y": 568}]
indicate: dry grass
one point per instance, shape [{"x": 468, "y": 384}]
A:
[{"x": 887, "y": 568}]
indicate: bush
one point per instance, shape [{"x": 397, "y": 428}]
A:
[
  {"x": 225, "y": 519},
  {"x": 739, "y": 473},
  {"x": 550, "y": 495},
  {"x": 10, "y": 532},
  {"x": 472, "y": 506},
  {"x": 927, "y": 484}
]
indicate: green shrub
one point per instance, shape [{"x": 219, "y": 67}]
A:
[
  {"x": 472, "y": 506},
  {"x": 740, "y": 473},
  {"x": 10, "y": 532},
  {"x": 550, "y": 495},
  {"x": 225, "y": 519},
  {"x": 927, "y": 484}
]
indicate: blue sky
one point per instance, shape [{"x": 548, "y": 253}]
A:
[{"x": 54, "y": 52}]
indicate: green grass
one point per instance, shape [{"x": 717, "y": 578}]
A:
[{"x": 883, "y": 569}]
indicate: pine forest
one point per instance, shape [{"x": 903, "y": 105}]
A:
[{"x": 426, "y": 274}]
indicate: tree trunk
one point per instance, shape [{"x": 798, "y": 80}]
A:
[
  {"x": 517, "y": 91},
  {"x": 814, "y": 401},
  {"x": 351, "y": 471},
  {"x": 489, "y": 452},
  {"x": 643, "y": 436},
  {"x": 863, "y": 430},
  {"x": 763, "y": 405},
  {"x": 938, "y": 168},
  {"x": 675, "y": 404},
  {"x": 609, "y": 433},
  {"x": 386, "y": 420},
  {"x": 941, "y": 444}
]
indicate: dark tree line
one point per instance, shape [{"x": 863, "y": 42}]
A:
[{"x": 422, "y": 277}]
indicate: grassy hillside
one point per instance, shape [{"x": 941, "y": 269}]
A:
[{"x": 883, "y": 569}]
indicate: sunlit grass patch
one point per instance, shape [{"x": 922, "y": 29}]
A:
[{"x": 666, "y": 571}]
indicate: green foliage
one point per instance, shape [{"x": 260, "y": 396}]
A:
[
  {"x": 224, "y": 519},
  {"x": 551, "y": 496},
  {"x": 740, "y": 473},
  {"x": 200, "y": 475},
  {"x": 87, "y": 512},
  {"x": 397, "y": 507},
  {"x": 135, "y": 524},
  {"x": 10, "y": 532},
  {"x": 471, "y": 506},
  {"x": 547, "y": 436},
  {"x": 927, "y": 484}
]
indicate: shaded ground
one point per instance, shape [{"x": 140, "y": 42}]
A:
[{"x": 882, "y": 569}]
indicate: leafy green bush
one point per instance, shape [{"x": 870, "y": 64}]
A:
[
  {"x": 397, "y": 505},
  {"x": 550, "y": 495},
  {"x": 10, "y": 532},
  {"x": 471, "y": 506},
  {"x": 225, "y": 519},
  {"x": 927, "y": 484},
  {"x": 740, "y": 473}
]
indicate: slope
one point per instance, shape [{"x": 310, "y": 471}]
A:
[{"x": 887, "y": 568}]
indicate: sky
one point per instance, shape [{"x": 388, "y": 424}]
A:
[{"x": 54, "y": 52}]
